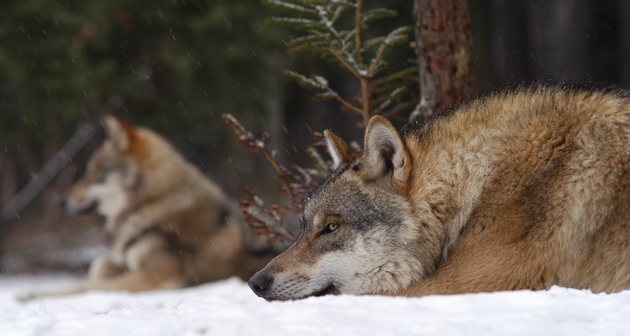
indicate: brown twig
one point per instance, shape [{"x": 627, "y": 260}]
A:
[
  {"x": 358, "y": 17},
  {"x": 295, "y": 182},
  {"x": 365, "y": 89},
  {"x": 258, "y": 147},
  {"x": 399, "y": 107},
  {"x": 266, "y": 221},
  {"x": 345, "y": 62}
]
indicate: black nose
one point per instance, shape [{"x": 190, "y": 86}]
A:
[
  {"x": 63, "y": 203},
  {"x": 260, "y": 283}
]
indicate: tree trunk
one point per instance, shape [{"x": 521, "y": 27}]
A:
[{"x": 443, "y": 39}]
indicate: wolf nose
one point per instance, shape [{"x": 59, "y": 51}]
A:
[
  {"x": 260, "y": 283},
  {"x": 63, "y": 203}
]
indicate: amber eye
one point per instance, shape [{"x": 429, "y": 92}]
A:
[{"x": 330, "y": 227}]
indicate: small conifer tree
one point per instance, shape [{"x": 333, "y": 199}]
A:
[
  {"x": 330, "y": 36},
  {"x": 335, "y": 32}
]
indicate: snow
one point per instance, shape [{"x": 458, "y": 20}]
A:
[{"x": 230, "y": 308}]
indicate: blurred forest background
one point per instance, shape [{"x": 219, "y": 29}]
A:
[{"x": 177, "y": 65}]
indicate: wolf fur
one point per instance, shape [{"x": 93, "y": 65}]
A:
[
  {"x": 521, "y": 189},
  {"x": 169, "y": 225}
]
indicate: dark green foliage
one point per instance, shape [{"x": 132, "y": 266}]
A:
[
  {"x": 174, "y": 65},
  {"x": 335, "y": 32}
]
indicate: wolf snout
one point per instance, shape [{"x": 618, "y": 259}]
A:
[
  {"x": 63, "y": 203},
  {"x": 260, "y": 283},
  {"x": 69, "y": 206}
]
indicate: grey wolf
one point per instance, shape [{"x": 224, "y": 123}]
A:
[
  {"x": 169, "y": 225},
  {"x": 521, "y": 189}
]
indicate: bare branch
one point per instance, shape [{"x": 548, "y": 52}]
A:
[
  {"x": 266, "y": 221},
  {"x": 358, "y": 20},
  {"x": 345, "y": 62},
  {"x": 295, "y": 182}
]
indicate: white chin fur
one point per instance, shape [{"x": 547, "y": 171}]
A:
[
  {"x": 111, "y": 196},
  {"x": 359, "y": 271},
  {"x": 73, "y": 206}
]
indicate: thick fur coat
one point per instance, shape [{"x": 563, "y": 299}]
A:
[{"x": 520, "y": 189}]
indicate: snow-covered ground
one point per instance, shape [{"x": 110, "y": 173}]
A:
[{"x": 230, "y": 308}]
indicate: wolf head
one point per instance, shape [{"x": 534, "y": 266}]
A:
[
  {"x": 358, "y": 235},
  {"x": 111, "y": 171}
]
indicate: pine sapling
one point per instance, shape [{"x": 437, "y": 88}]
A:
[{"x": 382, "y": 91}]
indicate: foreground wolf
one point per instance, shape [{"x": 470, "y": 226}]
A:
[
  {"x": 522, "y": 189},
  {"x": 169, "y": 226}
]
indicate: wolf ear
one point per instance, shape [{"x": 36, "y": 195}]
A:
[
  {"x": 384, "y": 151},
  {"x": 340, "y": 152},
  {"x": 118, "y": 132}
]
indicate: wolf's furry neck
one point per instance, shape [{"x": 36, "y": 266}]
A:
[{"x": 451, "y": 176}]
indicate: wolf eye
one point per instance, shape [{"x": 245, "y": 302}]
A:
[{"x": 330, "y": 227}]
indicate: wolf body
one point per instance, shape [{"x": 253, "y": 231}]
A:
[
  {"x": 521, "y": 189},
  {"x": 169, "y": 225}
]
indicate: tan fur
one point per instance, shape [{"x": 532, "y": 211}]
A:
[
  {"x": 523, "y": 189},
  {"x": 169, "y": 225}
]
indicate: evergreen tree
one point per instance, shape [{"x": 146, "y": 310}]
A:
[{"x": 337, "y": 31}]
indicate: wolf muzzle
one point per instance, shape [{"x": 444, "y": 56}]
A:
[{"x": 260, "y": 283}]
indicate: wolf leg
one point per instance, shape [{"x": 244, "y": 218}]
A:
[
  {"x": 485, "y": 269},
  {"x": 103, "y": 268},
  {"x": 133, "y": 282},
  {"x": 153, "y": 268}
]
